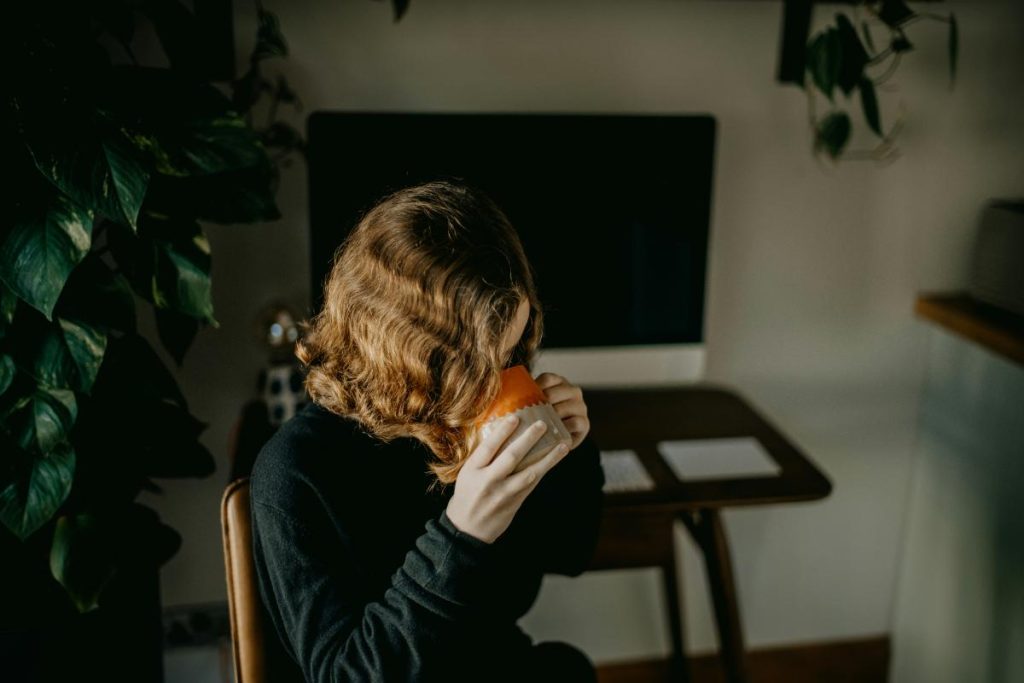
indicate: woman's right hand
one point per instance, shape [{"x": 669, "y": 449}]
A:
[{"x": 489, "y": 489}]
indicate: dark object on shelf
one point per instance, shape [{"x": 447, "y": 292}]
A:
[
  {"x": 992, "y": 327},
  {"x": 997, "y": 274}
]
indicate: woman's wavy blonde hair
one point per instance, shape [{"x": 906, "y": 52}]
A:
[{"x": 417, "y": 306}]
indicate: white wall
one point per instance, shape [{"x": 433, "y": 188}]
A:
[{"x": 813, "y": 269}]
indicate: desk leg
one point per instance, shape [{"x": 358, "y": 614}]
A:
[
  {"x": 708, "y": 531},
  {"x": 678, "y": 667}
]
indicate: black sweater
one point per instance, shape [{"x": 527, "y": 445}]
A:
[{"x": 364, "y": 576}]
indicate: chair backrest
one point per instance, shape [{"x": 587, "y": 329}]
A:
[{"x": 248, "y": 630}]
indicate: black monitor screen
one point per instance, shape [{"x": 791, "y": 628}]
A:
[{"x": 612, "y": 210}]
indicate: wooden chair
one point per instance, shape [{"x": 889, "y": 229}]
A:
[{"x": 258, "y": 655}]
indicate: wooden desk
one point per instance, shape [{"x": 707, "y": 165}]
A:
[{"x": 637, "y": 526}]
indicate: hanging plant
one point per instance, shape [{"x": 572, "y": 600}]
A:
[
  {"x": 843, "y": 59},
  {"x": 250, "y": 89}
]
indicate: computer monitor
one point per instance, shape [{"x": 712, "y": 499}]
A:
[{"x": 613, "y": 212}]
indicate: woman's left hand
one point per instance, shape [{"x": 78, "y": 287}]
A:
[{"x": 567, "y": 399}]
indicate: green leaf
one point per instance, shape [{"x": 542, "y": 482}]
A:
[
  {"x": 824, "y": 56},
  {"x": 96, "y": 295},
  {"x": 270, "y": 41},
  {"x": 49, "y": 238},
  {"x": 139, "y": 428},
  {"x": 62, "y": 354},
  {"x": 98, "y": 169},
  {"x": 833, "y": 132},
  {"x": 169, "y": 264},
  {"x": 854, "y": 56},
  {"x": 129, "y": 178},
  {"x": 164, "y": 440},
  {"x": 242, "y": 196},
  {"x": 400, "y": 7},
  {"x": 179, "y": 33},
  {"x": 156, "y": 542},
  {"x": 202, "y": 147},
  {"x": 281, "y": 135},
  {"x": 245, "y": 91},
  {"x": 30, "y": 501},
  {"x": 81, "y": 559},
  {"x": 867, "y": 37},
  {"x": 86, "y": 344},
  {"x": 953, "y": 47},
  {"x": 176, "y": 331},
  {"x": 901, "y": 44},
  {"x": 182, "y": 283},
  {"x": 181, "y": 275},
  {"x": 182, "y": 127},
  {"x": 127, "y": 359},
  {"x": 894, "y": 12},
  {"x": 284, "y": 93},
  {"x": 8, "y": 305},
  {"x": 51, "y": 363},
  {"x": 869, "y": 102},
  {"x": 7, "y": 371},
  {"x": 116, "y": 17},
  {"x": 53, "y": 415}
]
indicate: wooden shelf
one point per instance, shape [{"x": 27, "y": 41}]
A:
[{"x": 993, "y": 328}]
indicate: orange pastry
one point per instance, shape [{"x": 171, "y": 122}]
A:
[{"x": 521, "y": 396}]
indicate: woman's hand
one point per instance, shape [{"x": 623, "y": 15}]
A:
[
  {"x": 488, "y": 489},
  {"x": 567, "y": 400}
]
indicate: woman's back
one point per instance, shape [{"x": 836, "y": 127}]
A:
[{"x": 335, "y": 514}]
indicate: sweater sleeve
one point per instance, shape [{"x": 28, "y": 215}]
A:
[
  {"x": 333, "y": 632},
  {"x": 560, "y": 520}
]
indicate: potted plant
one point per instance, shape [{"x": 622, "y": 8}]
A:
[{"x": 112, "y": 166}]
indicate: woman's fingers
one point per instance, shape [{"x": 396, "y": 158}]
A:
[
  {"x": 485, "y": 450},
  {"x": 577, "y": 426},
  {"x": 560, "y": 393},
  {"x": 506, "y": 462},
  {"x": 527, "y": 478}
]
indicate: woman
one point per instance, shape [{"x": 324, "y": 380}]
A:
[{"x": 384, "y": 550}]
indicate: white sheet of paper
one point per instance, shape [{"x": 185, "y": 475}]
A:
[
  {"x": 623, "y": 471},
  {"x": 731, "y": 458}
]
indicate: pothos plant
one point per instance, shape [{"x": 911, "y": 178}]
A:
[
  {"x": 858, "y": 55},
  {"x": 111, "y": 166}
]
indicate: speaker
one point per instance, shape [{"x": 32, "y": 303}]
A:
[{"x": 997, "y": 273}]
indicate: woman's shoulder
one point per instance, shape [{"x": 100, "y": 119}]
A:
[{"x": 313, "y": 447}]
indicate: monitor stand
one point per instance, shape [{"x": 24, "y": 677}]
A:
[{"x": 625, "y": 366}]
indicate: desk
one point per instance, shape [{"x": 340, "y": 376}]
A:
[{"x": 636, "y": 529}]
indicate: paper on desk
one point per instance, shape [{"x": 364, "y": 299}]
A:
[
  {"x": 731, "y": 458},
  {"x": 623, "y": 471}
]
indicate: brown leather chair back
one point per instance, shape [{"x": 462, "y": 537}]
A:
[
  {"x": 259, "y": 655},
  {"x": 248, "y": 627}
]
